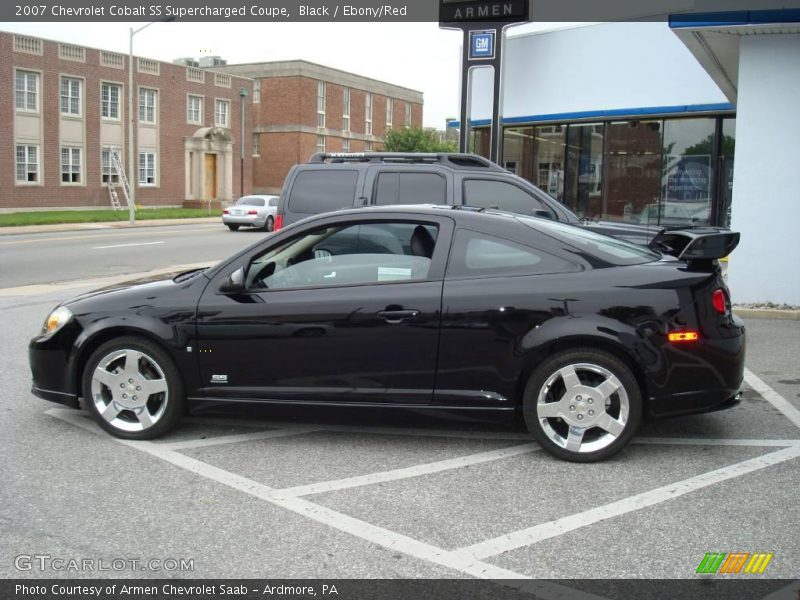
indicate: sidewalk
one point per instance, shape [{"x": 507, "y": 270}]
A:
[{"x": 104, "y": 225}]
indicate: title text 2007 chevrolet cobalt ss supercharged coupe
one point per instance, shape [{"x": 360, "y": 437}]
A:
[{"x": 413, "y": 307}]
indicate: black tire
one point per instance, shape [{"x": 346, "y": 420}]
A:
[
  {"x": 168, "y": 405},
  {"x": 596, "y": 443},
  {"x": 233, "y": 227},
  {"x": 269, "y": 225}
]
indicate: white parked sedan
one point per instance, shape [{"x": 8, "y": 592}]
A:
[{"x": 251, "y": 211}]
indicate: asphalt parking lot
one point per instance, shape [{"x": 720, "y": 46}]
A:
[{"x": 326, "y": 494}]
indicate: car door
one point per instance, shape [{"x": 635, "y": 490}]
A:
[
  {"x": 409, "y": 185},
  {"x": 347, "y": 311}
]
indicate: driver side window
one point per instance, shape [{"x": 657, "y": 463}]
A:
[{"x": 347, "y": 255}]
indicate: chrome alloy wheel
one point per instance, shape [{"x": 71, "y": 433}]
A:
[
  {"x": 129, "y": 390},
  {"x": 582, "y": 407}
]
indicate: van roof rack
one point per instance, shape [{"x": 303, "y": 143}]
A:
[{"x": 451, "y": 159}]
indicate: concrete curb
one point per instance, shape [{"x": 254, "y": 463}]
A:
[
  {"x": 23, "y": 229},
  {"x": 767, "y": 313}
]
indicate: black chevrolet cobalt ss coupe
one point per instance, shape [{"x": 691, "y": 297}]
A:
[{"x": 445, "y": 307}]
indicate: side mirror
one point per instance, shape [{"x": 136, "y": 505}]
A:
[
  {"x": 234, "y": 283},
  {"x": 542, "y": 213}
]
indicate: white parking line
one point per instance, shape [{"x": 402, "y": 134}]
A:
[
  {"x": 128, "y": 245},
  {"x": 715, "y": 442},
  {"x": 235, "y": 439},
  {"x": 408, "y": 472},
  {"x": 773, "y": 397},
  {"x": 544, "y": 531}
]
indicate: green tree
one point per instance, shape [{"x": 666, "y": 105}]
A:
[{"x": 415, "y": 139}]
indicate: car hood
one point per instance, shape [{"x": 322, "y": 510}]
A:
[{"x": 144, "y": 287}]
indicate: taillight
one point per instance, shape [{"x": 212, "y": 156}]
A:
[
  {"x": 719, "y": 301},
  {"x": 683, "y": 336},
  {"x": 278, "y": 222},
  {"x": 252, "y": 212},
  {"x": 226, "y": 212}
]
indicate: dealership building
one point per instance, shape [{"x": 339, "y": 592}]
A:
[{"x": 686, "y": 122}]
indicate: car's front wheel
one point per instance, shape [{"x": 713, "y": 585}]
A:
[
  {"x": 133, "y": 389},
  {"x": 582, "y": 405}
]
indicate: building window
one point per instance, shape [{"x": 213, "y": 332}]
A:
[
  {"x": 256, "y": 144},
  {"x": 408, "y": 114},
  {"x": 368, "y": 114},
  {"x": 27, "y": 164},
  {"x": 222, "y": 113},
  {"x": 389, "y": 111},
  {"x": 320, "y": 104},
  {"x": 147, "y": 168},
  {"x": 194, "y": 109},
  {"x": 70, "y": 165},
  {"x": 70, "y": 96},
  {"x": 27, "y": 91},
  {"x": 369, "y": 147},
  {"x": 109, "y": 104},
  {"x": 346, "y": 109},
  {"x": 256, "y": 91},
  {"x": 320, "y": 143},
  {"x": 345, "y": 145},
  {"x": 109, "y": 173},
  {"x": 147, "y": 106}
]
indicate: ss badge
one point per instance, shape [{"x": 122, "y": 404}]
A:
[{"x": 219, "y": 379}]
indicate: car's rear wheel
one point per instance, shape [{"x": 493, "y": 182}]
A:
[
  {"x": 270, "y": 224},
  {"x": 233, "y": 227},
  {"x": 582, "y": 405},
  {"x": 133, "y": 389}
]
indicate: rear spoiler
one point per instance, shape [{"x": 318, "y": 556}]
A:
[{"x": 696, "y": 243}]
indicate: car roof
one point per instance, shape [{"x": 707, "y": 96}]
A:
[{"x": 459, "y": 213}]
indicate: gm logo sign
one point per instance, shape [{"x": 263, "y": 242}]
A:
[{"x": 481, "y": 44}]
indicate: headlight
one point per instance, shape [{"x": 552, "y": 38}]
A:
[{"x": 56, "y": 320}]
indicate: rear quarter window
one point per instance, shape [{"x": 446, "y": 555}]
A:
[
  {"x": 477, "y": 254},
  {"x": 315, "y": 192}
]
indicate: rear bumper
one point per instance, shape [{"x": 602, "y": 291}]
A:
[{"x": 251, "y": 220}]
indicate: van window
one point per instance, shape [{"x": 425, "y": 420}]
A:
[
  {"x": 315, "y": 192},
  {"x": 410, "y": 188},
  {"x": 487, "y": 193}
]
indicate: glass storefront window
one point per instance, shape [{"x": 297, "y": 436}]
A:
[
  {"x": 686, "y": 184},
  {"x": 726, "y": 164},
  {"x": 583, "y": 190},
  {"x": 479, "y": 141},
  {"x": 633, "y": 171},
  {"x": 537, "y": 154}
]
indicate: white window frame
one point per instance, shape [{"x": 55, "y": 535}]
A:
[
  {"x": 106, "y": 102},
  {"x": 256, "y": 91},
  {"x": 147, "y": 94},
  {"x": 368, "y": 114},
  {"x": 107, "y": 172},
  {"x": 256, "y": 144},
  {"x": 72, "y": 167},
  {"x": 321, "y": 100},
  {"x": 27, "y": 90},
  {"x": 73, "y": 96},
  {"x": 29, "y": 166},
  {"x": 408, "y": 114},
  {"x": 346, "y": 109},
  {"x": 320, "y": 143},
  {"x": 150, "y": 165},
  {"x": 191, "y": 118},
  {"x": 220, "y": 114},
  {"x": 389, "y": 112},
  {"x": 345, "y": 145}
]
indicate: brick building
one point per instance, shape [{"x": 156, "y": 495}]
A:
[
  {"x": 300, "y": 108},
  {"x": 63, "y": 107}
]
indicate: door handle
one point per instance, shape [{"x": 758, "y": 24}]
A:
[{"x": 397, "y": 316}]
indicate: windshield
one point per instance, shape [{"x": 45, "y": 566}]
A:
[
  {"x": 608, "y": 249},
  {"x": 250, "y": 202}
]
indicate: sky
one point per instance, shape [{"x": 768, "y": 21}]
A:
[{"x": 419, "y": 56}]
